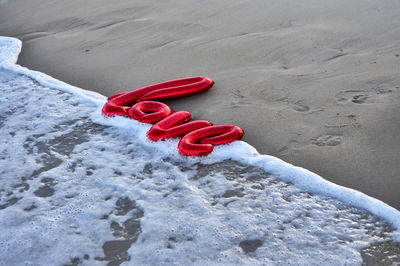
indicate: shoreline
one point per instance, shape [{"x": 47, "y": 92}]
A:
[{"x": 304, "y": 89}]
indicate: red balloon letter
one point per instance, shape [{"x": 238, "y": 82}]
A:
[
  {"x": 200, "y": 142},
  {"x": 149, "y": 111},
  {"x": 171, "y": 127},
  {"x": 120, "y": 103}
]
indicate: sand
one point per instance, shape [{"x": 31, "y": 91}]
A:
[{"x": 315, "y": 83}]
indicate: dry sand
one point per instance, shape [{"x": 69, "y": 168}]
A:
[{"x": 315, "y": 83}]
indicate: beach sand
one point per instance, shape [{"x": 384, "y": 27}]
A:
[{"x": 315, "y": 83}]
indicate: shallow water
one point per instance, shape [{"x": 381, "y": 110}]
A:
[{"x": 77, "y": 192}]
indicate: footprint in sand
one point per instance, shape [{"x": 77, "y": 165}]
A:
[
  {"x": 327, "y": 140},
  {"x": 285, "y": 150},
  {"x": 362, "y": 96},
  {"x": 300, "y": 107},
  {"x": 238, "y": 99},
  {"x": 341, "y": 121},
  {"x": 359, "y": 98},
  {"x": 355, "y": 96}
]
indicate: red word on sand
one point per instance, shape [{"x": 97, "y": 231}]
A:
[{"x": 198, "y": 137}]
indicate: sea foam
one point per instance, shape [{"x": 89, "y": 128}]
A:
[{"x": 79, "y": 187}]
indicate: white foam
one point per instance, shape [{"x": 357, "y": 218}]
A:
[
  {"x": 177, "y": 205},
  {"x": 9, "y": 50}
]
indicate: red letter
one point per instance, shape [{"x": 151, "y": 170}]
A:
[
  {"x": 117, "y": 104},
  {"x": 178, "y": 88},
  {"x": 171, "y": 127},
  {"x": 208, "y": 136},
  {"x": 158, "y": 111}
]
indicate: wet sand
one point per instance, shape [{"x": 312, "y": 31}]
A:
[{"x": 314, "y": 83}]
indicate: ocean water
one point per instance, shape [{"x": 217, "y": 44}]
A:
[{"x": 77, "y": 188}]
